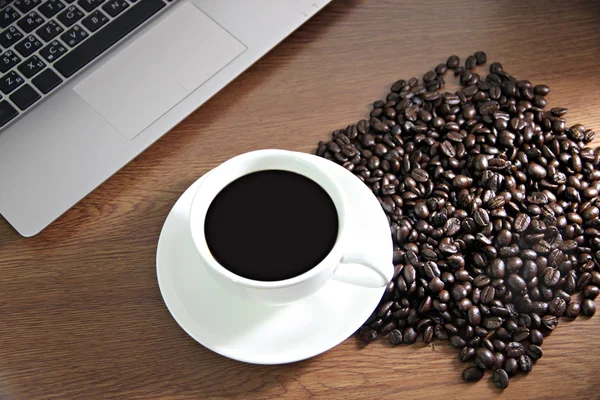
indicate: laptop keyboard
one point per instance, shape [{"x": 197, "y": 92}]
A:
[{"x": 43, "y": 43}]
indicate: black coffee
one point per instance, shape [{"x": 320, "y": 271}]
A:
[{"x": 271, "y": 225}]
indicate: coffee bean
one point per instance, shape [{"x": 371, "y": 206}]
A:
[
  {"x": 466, "y": 354},
  {"x": 550, "y": 322},
  {"x": 480, "y": 57},
  {"x": 453, "y": 62},
  {"x": 521, "y": 333},
  {"x": 534, "y": 352},
  {"x": 474, "y": 315},
  {"x": 573, "y": 310},
  {"x": 428, "y": 334},
  {"x": 481, "y": 217},
  {"x": 419, "y": 175},
  {"x": 470, "y": 62},
  {"x": 458, "y": 292},
  {"x": 557, "y": 306},
  {"x": 457, "y": 342},
  {"x": 536, "y": 337},
  {"x": 542, "y": 90},
  {"x": 484, "y": 358},
  {"x": 472, "y": 374},
  {"x": 511, "y": 366},
  {"x": 497, "y": 268},
  {"x": 525, "y": 364},
  {"x": 522, "y": 222},
  {"x": 500, "y": 378},
  {"x": 591, "y": 292},
  {"x": 395, "y": 336},
  {"x": 492, "y": 323},
  {"x": 514, "y": 349},
  {"x": 516, "y": 284},
  {"x": 367, "y": 334},
  {"x": 409, "y": 335},
  {"x": 588, "y": 307}
]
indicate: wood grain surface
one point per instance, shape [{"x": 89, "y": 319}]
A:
[{"x": 81, "y": 316}]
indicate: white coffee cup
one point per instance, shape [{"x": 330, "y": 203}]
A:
[{"x": 338, "y": 264}]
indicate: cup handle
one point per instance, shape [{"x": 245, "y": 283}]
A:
[{"x": 359, "y": 269}]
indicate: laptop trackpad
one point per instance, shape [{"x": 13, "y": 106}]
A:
[{"x": 159, "y": 69}]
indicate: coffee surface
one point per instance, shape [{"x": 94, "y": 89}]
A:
[{"x": 271, "y": 225}]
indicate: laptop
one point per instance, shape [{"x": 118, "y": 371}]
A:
[{"x": 87, "y": 85}]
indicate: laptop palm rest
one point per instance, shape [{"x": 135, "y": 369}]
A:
[{"x": 159, "y": 69}]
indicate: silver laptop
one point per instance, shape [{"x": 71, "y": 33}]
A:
[{"x": 87, "y": 85}]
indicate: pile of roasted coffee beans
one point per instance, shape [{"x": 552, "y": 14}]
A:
[{"x": 493, "y": 207}]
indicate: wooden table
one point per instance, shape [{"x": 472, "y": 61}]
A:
[{"x": 81, "y": 316}]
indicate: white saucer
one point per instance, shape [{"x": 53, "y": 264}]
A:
[{"x": 256, "y": 333}]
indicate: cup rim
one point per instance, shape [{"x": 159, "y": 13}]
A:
[{"x": 199, "y": 207}]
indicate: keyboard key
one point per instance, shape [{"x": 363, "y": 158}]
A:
[
  {"x": 70, "y": 16},
  {"x": 28, "y": 46},
  {"x": 30, "y": 21},
  {"x": 31, "y": 66},
  {"x": 89, "y": 5},
  {"x": 8, "y": 59},
  {"x": 10, "y": 36},
  {"x": 7, "y": 112},
  {"x": 94, "y": 21},
  {"x": 107, "y": 36},
  {"x": 8, "y": 16},
  {"x": 46, "y": 81},
  {"x": 26, "y": 5},
  {"x": 73, "y": 36},
  {"x": 115, "y": 7},
  {"x": 53, "y": 51},
  {"x": 51, "y": 7},
  {"x": 4, "y": 3},
  {"x": 25, "y": 97},
  {"x": 10, "y": 82},
  {"x": 49, "y": 31}
]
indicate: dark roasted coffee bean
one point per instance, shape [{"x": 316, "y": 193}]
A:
[
  {"x": 516, "y": 284},
  {"x": 457, "y": 342},
  {"x": 395, "y": 336},
  {"x": 511, "y": 366},
  {"x": 549, "y": 322},
  {"x": 409, "y": 335},
  {"x": 367, "y": 334},
  {"x": 466, "y": 354},
  {"x": 588, "y": 307},
  {"x": 521, "y": 223},
  {"x": 492, "y": 323},
  {"x": 499, "y": 345},
  {"x": 525, "y": 364},
  {"x": 419, "y": 175},
  {"x": 573, "y": 310},
  {"x": 557, "y": 306},
  {"x": 591, "y": 291},
  {"x": 534, "y": 352},
  {"x": 542, "y": 90},
  {"x": 500, "y": 378},
  {"x": 472, "y": 374},
  {"x": 584, "y": 279},
  {"x": 470, "y": 62},
  {"x": 536, "y": 337},
  {"x": 521, "y": 333},
  {"x": 484, "y": 358},
  {"x": 514, "y": 349},
  {"x": 453, "y": 62},
  {"x": 480, "y": 57}
]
